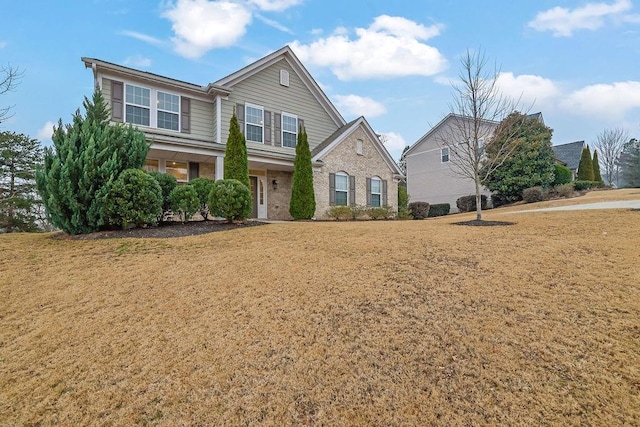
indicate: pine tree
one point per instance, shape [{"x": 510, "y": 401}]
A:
[
  {"x": 596, "y": 167},
  {"x": 20, "y": 156},
  {"x": 585, "y": 167},
  {"x": 236, "y": 165},
  {"x": 303, "y": 200},
  {"x": 87, "y": 156}
]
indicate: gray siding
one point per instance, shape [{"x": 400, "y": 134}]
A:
[
  {"x": 202, "y": 114},
  {"x": 264, "y": 89}
]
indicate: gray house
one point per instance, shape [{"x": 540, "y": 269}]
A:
[
  {"x": 188, "y": 125},
  {"x": 569, "y": 155}
]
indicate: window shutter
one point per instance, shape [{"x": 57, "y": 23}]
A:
[
  {"x": 352, "y": 190},
  {"x": 385, "y": 202},
  {"x": 240, "y": 116},
  {"x": 332, "y": 189},
  {"x": 277, "y": 125},
  {"x": 368, "y": 191},
  {"x": 267, "y": 127},
  {"x": 117, "y": 101},
  {"x": 194, "y": 170},
  {"x": 185, "y": 115}
]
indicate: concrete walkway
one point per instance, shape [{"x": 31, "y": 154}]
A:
[{"x": 622, "y": 204}]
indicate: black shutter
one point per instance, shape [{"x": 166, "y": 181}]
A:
[
  {"x": 368, "y": 191},
  {"x": 185, "y": 115},
  {"x": 352, "y": 190},
  {"x": 277, "y": 125},
  {"x": 332, "y": 189},
  {"x": 267, "y": 127},
  {"x": 117, "y": 101},
  {"x": 240, "y": 116}
]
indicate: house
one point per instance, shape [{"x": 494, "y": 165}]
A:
[
  {"x": 188, "y": 125},
  {"x": 569, "y": 155},
  {"x": 431, "y": 176}
]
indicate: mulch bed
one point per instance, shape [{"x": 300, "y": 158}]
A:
[
  {"x": 481, "y": 223},
  {"x": 174, "y": 229}
]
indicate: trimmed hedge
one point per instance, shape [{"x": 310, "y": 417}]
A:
[
  {"x": 498, "y": 199},
  {"x": 439, "y": 209},
  {"x": 533, "y": 194},
  {"x": 230, "y": 199},
  {"x": 184, "y": 201},
  {"x": 468, "y": 203},
  {"x": 382, "y": 212},
  {"x": 563, "y": 175},
  {"x": 167, "y": 184},
  {"x": 203, "y": 188},
  {"x": 135, "y": 199},
  {"x": 419, "y": 210},
  {"x": 339, "y": 212},
  {"x": 585, "y": 185}
]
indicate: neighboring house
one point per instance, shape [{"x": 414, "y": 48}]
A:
[
  {"x": 569, "y": 155},
  {"x": 431, "y": 176},
  {"x": 188, "y": 125}
]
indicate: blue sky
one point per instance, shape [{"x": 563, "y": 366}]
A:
[{"x": 576, "y": 61}]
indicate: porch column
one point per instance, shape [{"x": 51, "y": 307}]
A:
[{"x": 219, "y": 167}]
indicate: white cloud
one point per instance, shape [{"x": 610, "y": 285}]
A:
[
  {"x": 394, "y": 142},
  {"x": 390, "y": 47},
  {"x": 360, "y": 106},
  {"x": 604, "y": 101},
  {"x": 45, "y": 132},
  {"x": 274, "y": 5},
  {"x": 563, "y": 21},
  {"x": 142, "y": 37},
  {"x": 527, "y": 88},
  {"x": 316, "y": 31},
  {"x": 275, "y": 24},
  {"x": 201, "y": 25},
  {"x": 138, "y": 61}
]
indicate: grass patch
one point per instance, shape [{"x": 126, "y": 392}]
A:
[{"x": 360, "y": 323}]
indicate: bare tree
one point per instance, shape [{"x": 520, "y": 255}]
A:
[
  {"x": 609, "y": 143},
  {"x": 9, "y": 78},
  {"x": 477, "y": 109}
]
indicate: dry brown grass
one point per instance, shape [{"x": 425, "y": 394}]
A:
[{"x": 367, "y": 323}]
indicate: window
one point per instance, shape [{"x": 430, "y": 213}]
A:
[
  {"x": 178, "y": 169},
  {"x": 289, "y": 130},
  {"x": 168, "y": 111},
  {"x": 376, "y": 192},
  {"x": 138, "y": 105},
  {"x": 444, "y": 155},
  {"x": 151, "y": 165},
  {"x": 342, "y": 189},
  {"x": 254, "y": 123}
]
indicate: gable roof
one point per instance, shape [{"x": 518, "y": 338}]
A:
[
  {"x": 343, "y": 132},
  {"x": 287, "y": 54},
  {"x": 569, "y": 153}
]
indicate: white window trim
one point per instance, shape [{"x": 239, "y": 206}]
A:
[
  {"x": 346, "y": 175},
  {"x": 246, "y": 122},
  {"x": 282, "y": 131},
  {"x": 442, "y": 155},
  {"x": 153, "y": 106},
  {"x": 379, "y": 193}
]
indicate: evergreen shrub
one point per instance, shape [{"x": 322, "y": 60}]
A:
[
  {"x": 339, "y": 212},
  {"x": 468, "y": 203},
  {"x": 533, "y": 194},
  {"x": 203, "y": 188},
  {"x": 419, "y": 210},
  {"x": 184, "y": 202},
  {"x": 439, "y": 209},
  {"x": 562, "y": 175},
  {"x": 134, "y": 199},
  {"x": 381, "y": 212},
  {"x": 230, "y": 199},
  {"x": 167, "y": 184}
]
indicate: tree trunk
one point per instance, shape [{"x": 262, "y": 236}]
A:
[{"x": 478, "y": 202}]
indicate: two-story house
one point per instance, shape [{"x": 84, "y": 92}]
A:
[{"x": 188, "y": 124}]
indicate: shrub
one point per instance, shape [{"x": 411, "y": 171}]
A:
[
  {"x": 356, "y": 211},
  {"x": 382, "y": 212},
  {"x": 582, "y": 185},
  {"x": 184, "y": 201},
  {"x": 339, "y": 212},
  {"x": 203, "y": 188},
  {"x": 563, "y": 175},
  {"x": 468, "y": 203},
  {"x": 403, "y": 202},
  {"x": 533, "y": 194},
  {"x": 439, "y": 209},
  {"x": 167, "y": 184},
  {"x": 230, "y": 199},
  {"x": 499, "y": 199},
  {"x": 564, "y": 190},
  {"x": 585, "y": 167},
  {"x": 302, "y": 204},
  {"x": 419, "y": 210},
  {"x": 135, "y": 199}
]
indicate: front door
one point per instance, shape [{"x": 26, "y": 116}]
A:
[{"x": 254, "y": 196}]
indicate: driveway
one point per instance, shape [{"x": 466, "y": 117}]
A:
[{"x": 622, "y": 204}]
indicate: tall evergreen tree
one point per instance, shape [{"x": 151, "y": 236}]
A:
[
  {"x": 20, "y": 156},
  {"x": 236, "y": 165},
  {"x": 531, "y": 162},
  {"x": 303, "y": 200},
  {"x": 87, "y": 156},
  {"x": 585, "y": 167},
  {"x": 630, "y": 163},
  {"x": 596, "y": 167}
]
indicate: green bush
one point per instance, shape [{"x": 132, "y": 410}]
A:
[
  {"x": 382, "y": 212},
  {"x": 135, "y": 199},
  {"x": 203, "y": 188},
  {"x": 184, "y": 201},
  {"x": 439, "y": 209},
  {"x": 584, "y": 185},
  {"x": 564, "y": 190},
  {"x": 302, "y": 204},
  {"x": 230, "y": 199},
  {"x": 419, "y": 210},
  {"x": 533, "y": 194},
  {"x": 563, "y": 175},
  {"x": 356, "y": 211},
  {"x": 403, "y": 202},
  {"x": 499, "y": 199},
  {"x": 339, "y": 212},
  {"x": 167, "y": 184},
  {"x": 468, "y": 203}
]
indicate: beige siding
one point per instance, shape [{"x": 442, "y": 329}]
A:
[
  {"x": 264, "y": 89},
  {"x": 202, "y": 114}
]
